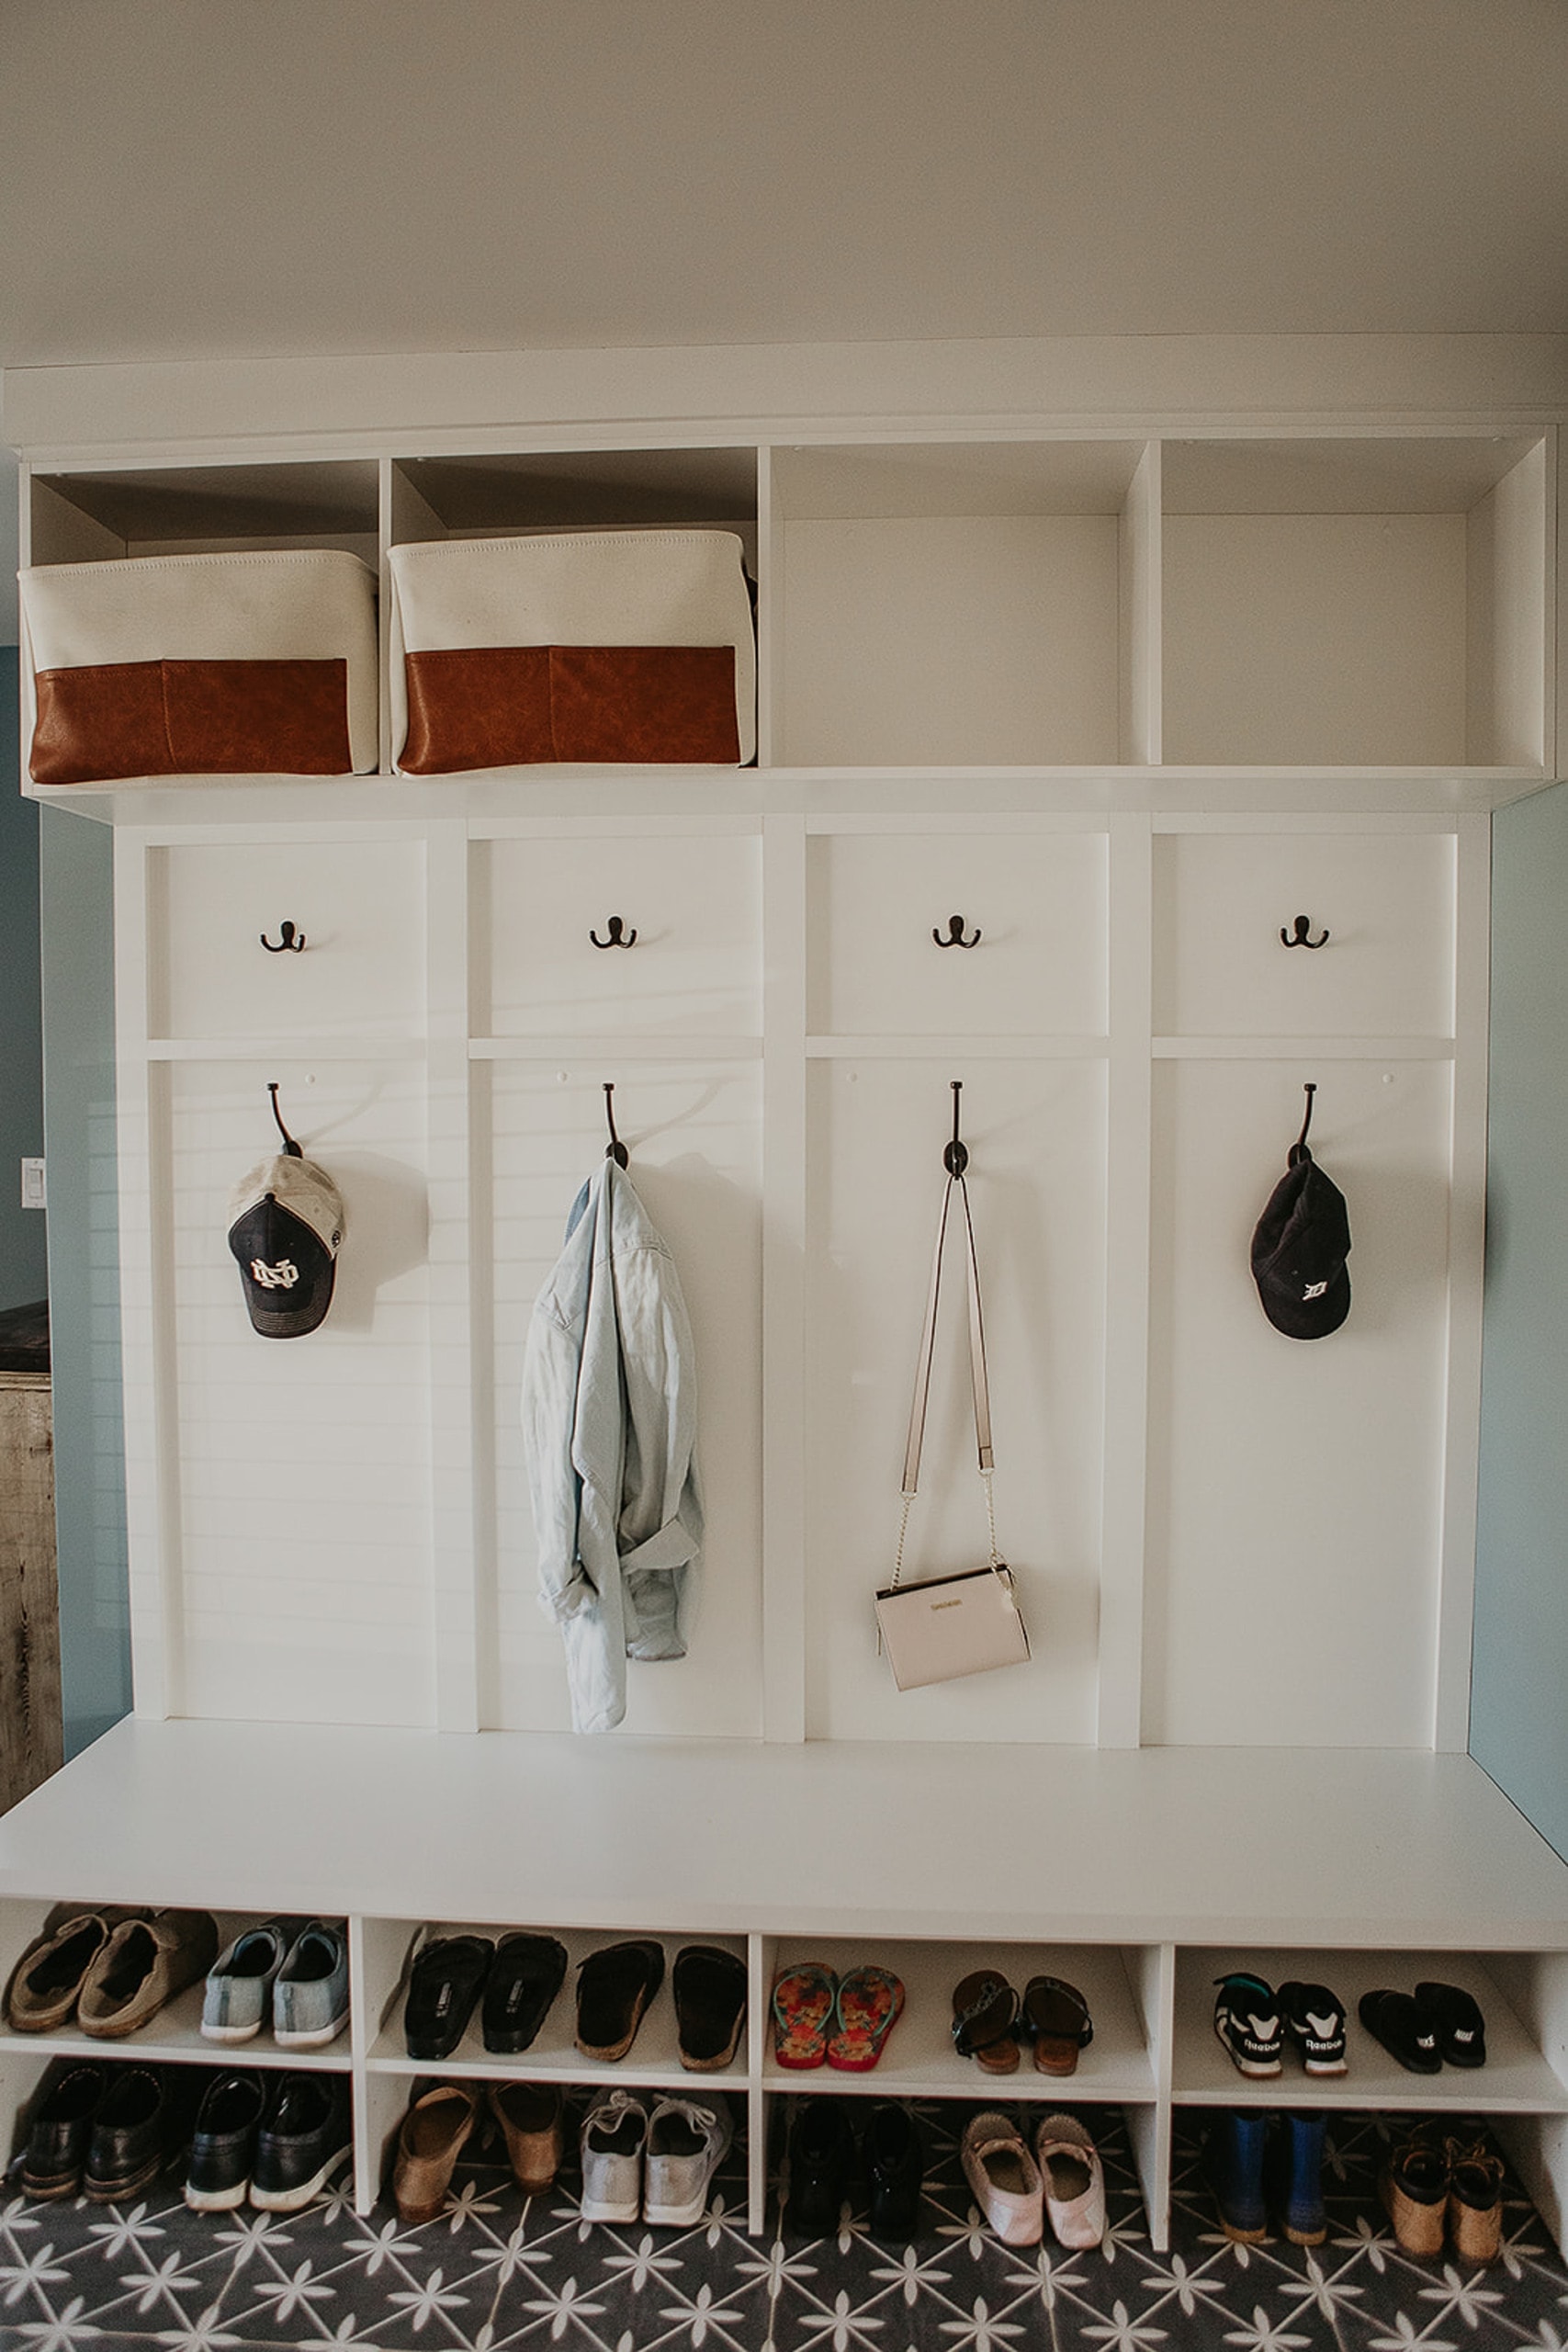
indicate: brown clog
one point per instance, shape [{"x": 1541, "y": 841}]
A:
[
  {"x": 529, "y": 2115},
  {"x": 1056, "y": 2017},
  {"x": 143, "y": 1963},
  {"x": 46, "y": 1983},
  {"x": 985, "y": 2021},
  {"x": 435, "y": 2131}
]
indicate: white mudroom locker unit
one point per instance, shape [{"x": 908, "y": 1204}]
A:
[{"x": 1131, "y": 761}]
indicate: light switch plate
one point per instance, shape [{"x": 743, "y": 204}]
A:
[{"x": 33, "y": 1192}]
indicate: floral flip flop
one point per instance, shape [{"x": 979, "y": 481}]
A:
[
  {"x": 804, "y": 1996},
  {"x": 868, "y": 2005}
]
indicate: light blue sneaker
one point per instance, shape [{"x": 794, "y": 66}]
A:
[
  {"x": 309, "y": 1998},
  {"x": 238, "y": 1999}
]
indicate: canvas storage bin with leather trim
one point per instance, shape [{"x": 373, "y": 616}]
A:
[
  {"x": 577, "y": 648},
  {"x": 262, "y": 663}
]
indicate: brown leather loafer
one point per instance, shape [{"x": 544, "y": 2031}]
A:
[
  {"x": 435, "y": 2131},
  {"x": 47, "y": 1980},
  {"x": 529, "y": 2115},
  {"x": 143, "y": 1965}
]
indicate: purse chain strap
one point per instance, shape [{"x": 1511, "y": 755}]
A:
[{"x": 977, "y": 1381}]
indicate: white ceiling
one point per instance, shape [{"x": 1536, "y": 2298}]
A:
[{"x": 190, "y": 178}]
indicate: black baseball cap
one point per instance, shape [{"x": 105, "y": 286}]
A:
[
  {"x": 285, "y": 1229},
  {"x": 1298, "y": 1249}
]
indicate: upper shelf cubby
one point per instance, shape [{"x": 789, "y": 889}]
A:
[
  {"x": 957, "y": 603},
  {"x": 1355, "y": 602},
  {"x": 557, "y": 490},
  {"x": 93, "y": 518}
]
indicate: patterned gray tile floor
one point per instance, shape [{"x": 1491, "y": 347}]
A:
[{"x": 498, "y": 2271}]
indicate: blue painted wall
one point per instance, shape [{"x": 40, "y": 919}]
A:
[
  {"x": 23, "y": 1237},
  {"x": 1519, "y": 1691}
]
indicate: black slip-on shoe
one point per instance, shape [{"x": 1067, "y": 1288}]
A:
[
  {"x": 142, "y": 2122},
  {"x": 61, "y": 2128},
  {"x": 1247, "y": 2020},
  {"x": 223, "y": 2147},
  {"x": 524, "y": 1977},
  {"x": 895, "y": 2167},
  {"x": 1314, "y": 2019},
  {"x": 1405, "y": 2028},
  {"x": 614, "y": 1987},
  {"x": 709, "y": 1986},
  {"x": 305, "y": 2135},
  {"x": 447, "y": 1977},
  {"x": 1457, "y": 2021},
  {"x": 821, "y": 2167}
]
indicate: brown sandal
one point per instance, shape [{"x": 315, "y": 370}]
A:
[
  {"x": 985, "y": 2021},
  {"x": 1055, "y": 2016}
]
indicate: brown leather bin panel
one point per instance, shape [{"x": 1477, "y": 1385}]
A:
[
  {"x": 130, "y": 718},
  {"x": 520, "y": 705}
]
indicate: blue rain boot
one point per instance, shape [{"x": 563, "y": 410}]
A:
[
  {"x": 1298, "y": 2180},
  {"x": 1234, "y": 2160}
]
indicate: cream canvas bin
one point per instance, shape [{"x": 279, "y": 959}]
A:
[
  {"x": 201, "y": 664},
  {"x": 581, "y": 589}
]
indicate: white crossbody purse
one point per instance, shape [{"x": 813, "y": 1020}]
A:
[{"x": 941, "y": 1627}]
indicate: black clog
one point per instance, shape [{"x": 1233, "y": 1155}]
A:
[
  {"x": 894, "y": 2168},
  {"x": 1405, "y": 2028},
  {"x": 614, "y": 1987},
  {"x": 446, "y": 1979},
  {"x": 62, "y": 2127},
  {"x": 1458, "y": 2022},
  {"x": 709, "y": 1986},
  {"x": 524, "y": 1979}
]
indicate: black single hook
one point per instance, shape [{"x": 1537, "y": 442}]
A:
[
  {"x": 1299, "y": 1148},
  {"x": 955, "y": 1156},
  {"x": 291, "y": 1149},
  {"x": 291, "y": 942},
  {"x": 615, "y": 926},
  {"x": 955, "y": 934},
  {"x": 1302, "y": 926},
  {"x": 615, "y": 1149}
]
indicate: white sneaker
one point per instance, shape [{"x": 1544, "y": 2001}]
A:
[
  {"x": 615, "y": 2132},
  {"x": 1074, "y": 2181},
  {"x": 1004, "y": 2177},
  {"x": 687, "y": 2140}
]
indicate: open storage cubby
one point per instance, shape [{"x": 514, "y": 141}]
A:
[
  {"x": 488, "y": 495},
  {"x": 1355, "y": 602},
  {"x": 93, "y": 516}
]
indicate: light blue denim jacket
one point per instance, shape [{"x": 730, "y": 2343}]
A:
[{"x": 609, "y": 1418}]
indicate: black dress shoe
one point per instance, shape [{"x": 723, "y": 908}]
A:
[
  {"x": 223, "y": 2145},
  {"x": 614, "y": 1987},
  {"x": 523, "y": 1980},
  {"x": 895, "y": 2167},
  {"x": 821, "y": 2165},
  {"x": 305, "y": 2136},
  {"x": 145, "y": 2117},
  {"x": 62, "y": 2127},
  {"x": 447, "y": 1978}
]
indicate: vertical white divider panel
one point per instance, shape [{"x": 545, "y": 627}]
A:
[
  {"x": 784, "y": 1278},
  {"x": 452, "y": 1402},
  {"x": 1123, "y": 1532},
  {"x": 1140, "y": 653},
  {"x": 152, "y": 1485},
  {"x": 1467, "y": 1270},
  {"x": 760, "y": 1979},
  {"x": 770, "y": 561},
  {"x": 384, "y": 610},
  {"x": 1148, "y": 2128}
]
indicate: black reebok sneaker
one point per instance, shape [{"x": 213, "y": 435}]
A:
[
  {"x": 1314, "y": 2019},
  {"x": 1246, "y": 2019}
]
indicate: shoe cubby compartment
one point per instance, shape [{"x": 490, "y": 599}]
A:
[
  {"x": 653, "y": 2060},
  {"x": 1355, "y": 603},
  {"x": 81, "y": 516},
  {"x": 172, "y": 2035},
  {"x": 919, "y": 2059},
  {"x": 1029, "y": 956},
  {"x": 647, "y": 933},
  {"x": 353, "y": 967},
  {"x": 951, "y": 602},
  {"x": 1517, "y": 2077},
  {"x": 1377, "y": 959}
]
